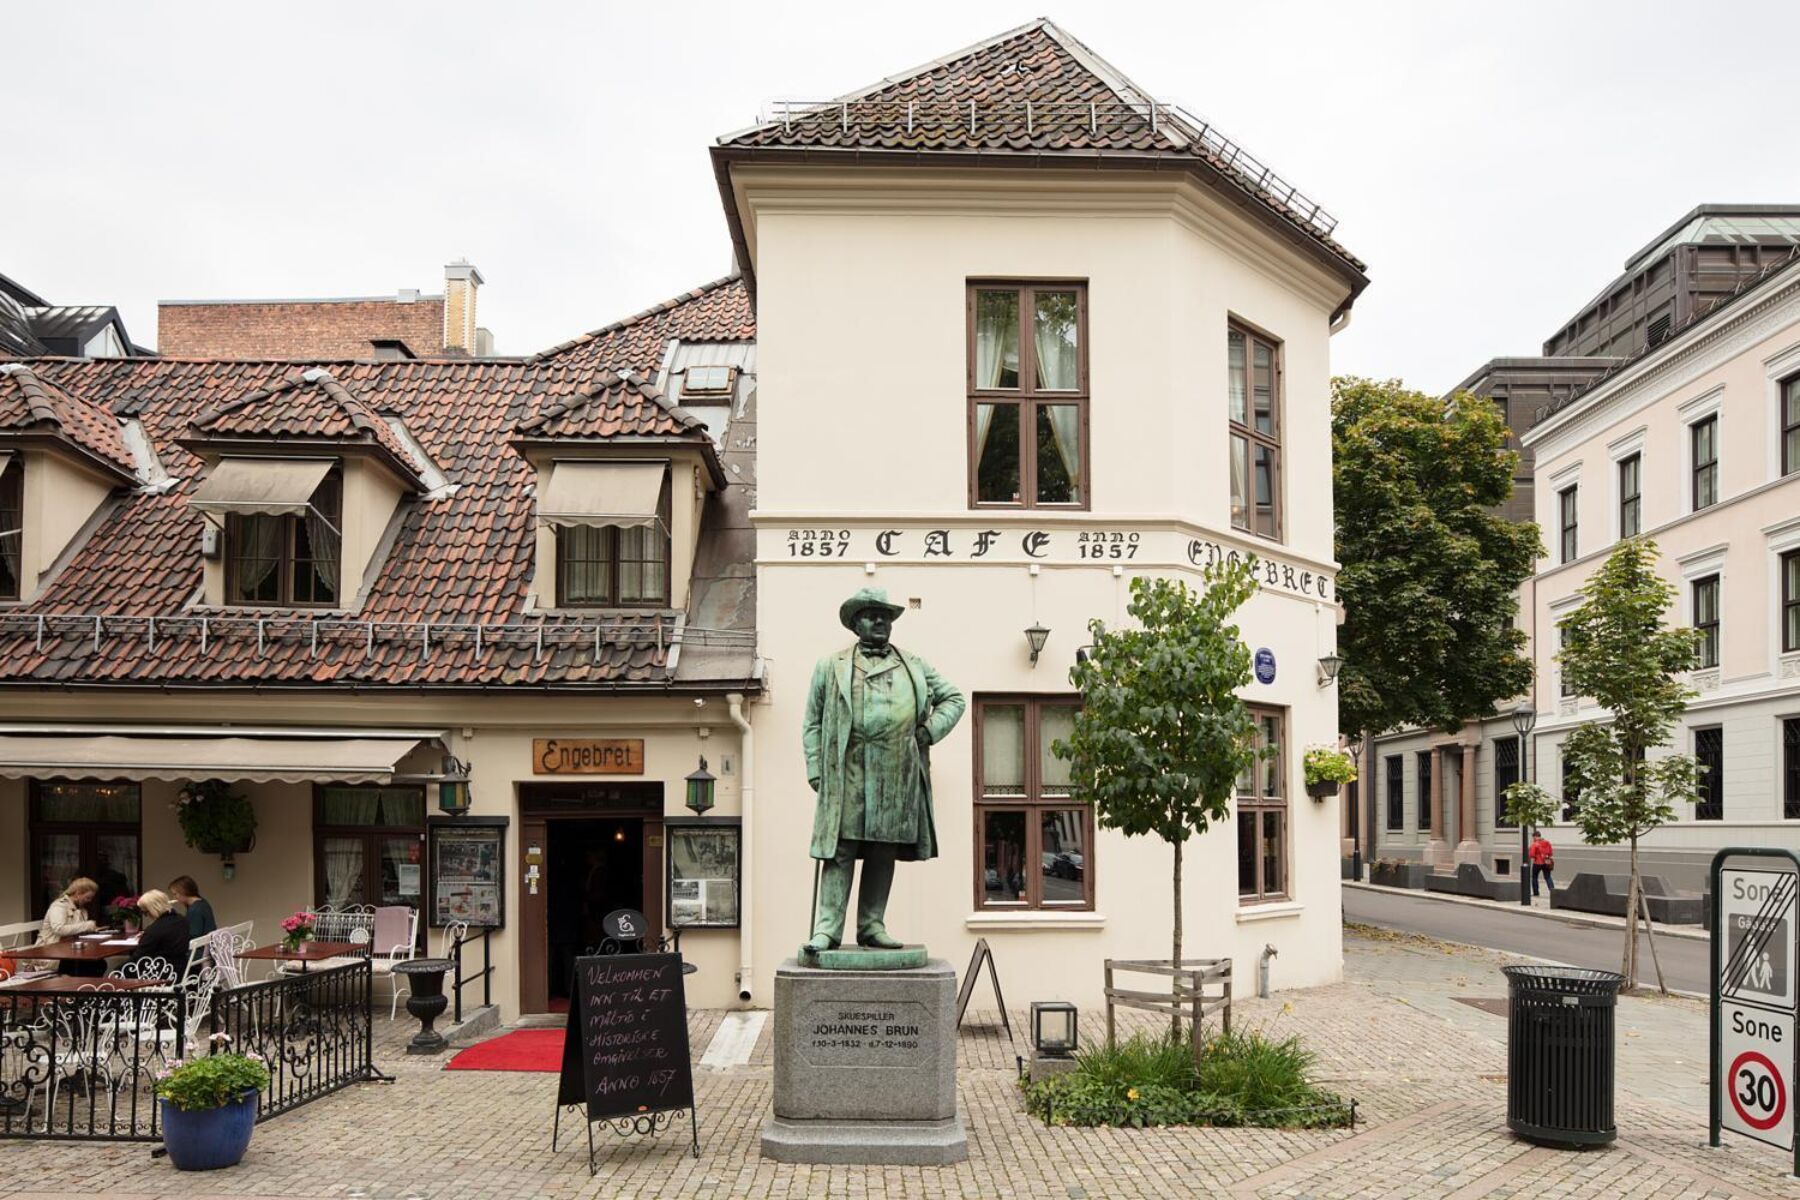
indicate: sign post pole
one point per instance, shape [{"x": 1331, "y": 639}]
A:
[{"x": 1754, "y": 1010}]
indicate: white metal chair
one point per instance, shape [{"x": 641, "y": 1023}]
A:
[
  {"x": 145, "y": 968},
  {"x": 78, "y": 1045},
  {"x": 396, "y": 941}
]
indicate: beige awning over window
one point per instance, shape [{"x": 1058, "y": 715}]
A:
[
  {"x": 626, "y": 494},
  {"x": 271, "y": 486},
  {"x": 232, "y": 759}
]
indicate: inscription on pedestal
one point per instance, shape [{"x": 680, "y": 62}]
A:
[{"x": 872, "y": 1033}]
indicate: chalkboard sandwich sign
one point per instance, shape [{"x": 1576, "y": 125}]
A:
[{"x": 625, "y": 1048}]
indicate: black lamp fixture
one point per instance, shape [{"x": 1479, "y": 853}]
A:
[
  {"x": 1036, "y": 635},
  {"x": 1329, "y": 666},
  {"x": 700, "y": 789},
  {"x": 1524, "y": 720},
  {"x": 1053, "y": 1026},
  {"x": 454, "y": 798}
]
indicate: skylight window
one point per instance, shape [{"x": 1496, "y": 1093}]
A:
[{"x": 700, "y": 383}]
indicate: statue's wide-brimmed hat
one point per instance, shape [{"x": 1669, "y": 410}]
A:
[{"x": 867, "y": 598}]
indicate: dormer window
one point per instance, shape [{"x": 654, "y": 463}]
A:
[
  {"x": 283, "y": 522},
  {"x": 612, "y": 533},
  {"x": 12, "y": 528}
]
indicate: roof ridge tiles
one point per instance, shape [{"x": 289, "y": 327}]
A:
[{"x": 655, "y": 310}]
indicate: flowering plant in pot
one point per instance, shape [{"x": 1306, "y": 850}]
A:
[
  {"x": 296, "y": 929},
  {"x": 208, "y": 1107},
  {"x": 214, "y": 819},
  {"x": 123, "y": 911},
  {"x": 1327, "y": 770}
]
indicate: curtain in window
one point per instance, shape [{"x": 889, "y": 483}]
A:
[
  {"x": 11, "y": 547},
  {"x": 996, "y": 339},
  {"x": 1053, "y": 337},
  {"x": 324, "y": 542},
  {"x": 343, "y": 870},
  {"x": 1003, "y": 750},
  {"x": 984, "y": 420},
  {"x": 1065, "y": 424},
  {"x": 1240, "y": 481},
  {"x": 351, "y": 806},
  {"x": 260, "y": 554}
]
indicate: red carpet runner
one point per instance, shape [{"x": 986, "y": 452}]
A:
[{"x": 520, "y": 1050}]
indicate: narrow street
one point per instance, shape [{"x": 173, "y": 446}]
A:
[{"x": 1684, "y": 960}]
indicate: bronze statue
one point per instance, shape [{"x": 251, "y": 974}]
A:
[{"x": 871, "y": 714}]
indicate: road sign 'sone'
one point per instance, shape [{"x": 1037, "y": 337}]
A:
[
  {"x": 1757, "y": 921},
  {"x": 1757, "y": 1048}
]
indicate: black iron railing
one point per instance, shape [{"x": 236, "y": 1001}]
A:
[
  {"x": 485, "y": 975},
  {"x": 83, "y": 1064}
]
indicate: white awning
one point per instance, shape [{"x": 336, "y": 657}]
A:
[
  {"x": 232, "y": 759},
  {"x": 625, "y": 494},
  {"x": 271, "y": 486}
]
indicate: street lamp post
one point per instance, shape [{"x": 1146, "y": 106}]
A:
[
  {"x": 1356, "y": 812},
  {"x": 1524, "y": 719}
]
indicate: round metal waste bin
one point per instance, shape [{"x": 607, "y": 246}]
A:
[{"x": 1559, "y": 1055}]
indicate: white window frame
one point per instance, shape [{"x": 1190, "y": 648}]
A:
[
  {"x": 1618, "y": 451},
  {"x": 1783, "y": 365},
  {"x": 1779, "y": 539},
  {"x": 1694, "y": 567},
  {"x": 1707, "y": 404}
]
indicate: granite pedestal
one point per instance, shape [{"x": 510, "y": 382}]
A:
[{"x": 865, "y": 1067}]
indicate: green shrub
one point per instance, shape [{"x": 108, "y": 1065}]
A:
[
  {"x": 212, "y": 1082},
  {"x": 1243, "y": 1078}
]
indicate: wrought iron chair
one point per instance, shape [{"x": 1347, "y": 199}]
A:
[
  {"x": 160, "y": 969},
  {"x": 77, "y": 1046}
]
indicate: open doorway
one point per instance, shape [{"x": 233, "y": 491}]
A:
[{"x": 594, "y": 866}]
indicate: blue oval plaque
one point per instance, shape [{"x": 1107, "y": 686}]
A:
[{"x": 1265, "y": 665}]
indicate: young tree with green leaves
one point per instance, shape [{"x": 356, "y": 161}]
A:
[
  {"x": 1430, "y": 569},
  {"x": 1162, "y": 735},
  {"x": 1621, "y": 652}
]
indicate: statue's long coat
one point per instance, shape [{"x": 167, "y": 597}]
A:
[{"x": 826, "y": 735}]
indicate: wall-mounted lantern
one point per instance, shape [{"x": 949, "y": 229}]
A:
[
  {"x": 454, "y": 797},
  {"x": 700, "y": 789},
  {"x": 1329, "y": 666},
  {"x": 1036, "y": 635}
]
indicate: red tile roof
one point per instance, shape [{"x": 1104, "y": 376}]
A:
[
  {"x": 1035, "y": 91},
  {"x": 719, "y": 311},
  {"x": 460, "y": 560},
  {"x": 31, "y": 404},
  {"x": 306, "y": 403}
]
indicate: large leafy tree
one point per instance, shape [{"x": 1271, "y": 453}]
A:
[
  {"x": 1162, "y": 735},
  {"x": 1621, "y": 652},
  {"x": 1430, "y": 569}
]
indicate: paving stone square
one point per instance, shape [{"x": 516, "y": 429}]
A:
[{"x": 1427, "y": 1071}]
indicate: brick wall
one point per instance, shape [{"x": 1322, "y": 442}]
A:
[{"x": 298, "y": 328}]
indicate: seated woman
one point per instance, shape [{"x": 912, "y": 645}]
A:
[
  {"x": 66, "y": 918},
  {"x": 186, "y": 893},
  {"x": 166, "y": 934}
]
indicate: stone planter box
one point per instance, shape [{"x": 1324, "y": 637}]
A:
[
  {"x": 1595, "y": 893},
  {"x": 1469, "y": 879},
  {"x": 1398, "y": 874}
]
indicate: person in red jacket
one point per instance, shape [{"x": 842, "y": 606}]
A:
[{"x": 1543, "y": 860}]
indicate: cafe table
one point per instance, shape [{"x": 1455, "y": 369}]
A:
[
  {"x": 81, "y": 949},
  {"x": 306, "y": 952}
]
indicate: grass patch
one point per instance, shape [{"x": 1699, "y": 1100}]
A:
[{"x": 1242, "y": 1078}]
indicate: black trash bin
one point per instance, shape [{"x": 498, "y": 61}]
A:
[{"x": 1559, "y": 1055}]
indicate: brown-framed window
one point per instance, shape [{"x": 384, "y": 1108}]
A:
[
  {"x": 1262, "y": 813},
  {"x": 1790, "y": 425},
  {"x": 85, "y": 829},
  {"x": 12, "y": 530},
  {"x": 603, "y": 566},
  {"x": 1631, "y": 500},
  {"x": 1705, "y": 599},
  {"x": 1709, "y": 749},
  {"x": 1254, "y": 397},
  {"x": 368, "y": 844},
  {"x": 1568, "y": 516},
  {"x": 288, "y": 561},
  {"x": 1028, "y": 395},
  {"x": 1704, "y": 438},
  {"x": 1790, "y": 601},
  {"x": 1036, "y": 840}
]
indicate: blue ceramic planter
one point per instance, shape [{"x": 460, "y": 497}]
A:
[{"x": 206, "y": 1139}]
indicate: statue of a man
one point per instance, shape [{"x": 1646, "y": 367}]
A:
[{"x": 871, "y": 713}]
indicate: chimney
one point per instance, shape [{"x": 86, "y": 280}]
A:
[{"x": 461, "y": 281}]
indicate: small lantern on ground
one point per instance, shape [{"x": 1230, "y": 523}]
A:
[
  {"x": 1053, "y": 1025},
  {"x": 453, "y": 787},
  {"x": 700, "y": 789}
]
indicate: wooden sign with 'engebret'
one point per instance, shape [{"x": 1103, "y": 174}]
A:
[{"x": 587, "y": 756}]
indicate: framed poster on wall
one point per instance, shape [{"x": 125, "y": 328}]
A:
[
  {"x": 704, "y": 857},
  {"x": 468, "y": 871}
]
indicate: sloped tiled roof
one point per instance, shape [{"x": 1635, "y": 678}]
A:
[
  {"x": 719, "y": 311},
  {"x": 612, "y": 404},
  {"x": 1034, "y": 90},
  {"x": 30, "y": 404},
  {"x": 307, "y": 403},
  {"x": 462, "y": 557}
]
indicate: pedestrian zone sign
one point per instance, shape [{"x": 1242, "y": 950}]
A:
[{"x": 1754, "y": 1004}]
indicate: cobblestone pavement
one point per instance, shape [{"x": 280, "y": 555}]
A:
[{"x": 1426, "y": 1070}]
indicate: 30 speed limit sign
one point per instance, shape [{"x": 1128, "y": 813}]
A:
[{"x": 1757, "y": 1050}]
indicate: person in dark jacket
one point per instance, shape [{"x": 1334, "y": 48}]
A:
[
  {"x": 165, "y": 935},
  {"x": 185, "y": 892}
]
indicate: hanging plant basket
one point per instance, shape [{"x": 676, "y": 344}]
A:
[
  {"x": 1322, "y": 789},
  {"x": 214, "y": 819}
]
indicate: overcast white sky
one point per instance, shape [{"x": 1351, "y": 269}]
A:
[{"x": 1493, "y": 163}]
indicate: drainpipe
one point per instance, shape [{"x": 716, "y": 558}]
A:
[
  {"x": 1262, "y": 969},
  {"x": 747, "y": 805}
]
